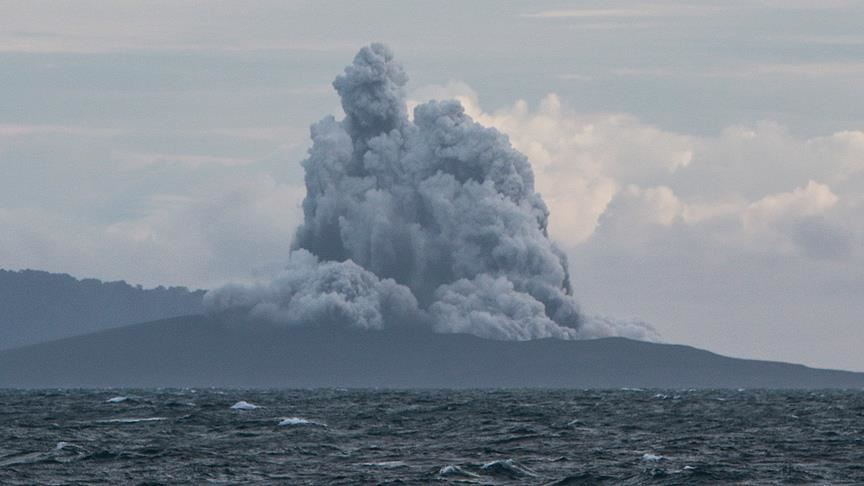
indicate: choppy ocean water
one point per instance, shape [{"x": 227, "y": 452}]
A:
[{"x": 411, "y": 437}]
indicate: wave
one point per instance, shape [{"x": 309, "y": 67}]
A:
[
  {"x": 299, "y": 421},
  {"x": 244, "y": 405},
  {"x": 508, "y": 468},
  {"x": 131, "y": 420}
]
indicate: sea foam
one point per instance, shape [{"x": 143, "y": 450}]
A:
[
  {"x": 244, "y": 405},
  {"x": 299, "y": 421}
]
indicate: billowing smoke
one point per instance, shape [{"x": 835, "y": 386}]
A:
[{"x": 431, "y": 222}]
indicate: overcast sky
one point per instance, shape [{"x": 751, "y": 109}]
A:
[{"x": 703, "y": 161}]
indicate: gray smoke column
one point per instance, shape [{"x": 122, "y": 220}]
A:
[{"x": 431, "y": 222}]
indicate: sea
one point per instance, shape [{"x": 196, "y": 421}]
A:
[{"x": 339, "y": 436}]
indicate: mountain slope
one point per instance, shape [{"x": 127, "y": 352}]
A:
[
  {"x": 40, "y": 306},
  {"x": 199, "y": 351}
]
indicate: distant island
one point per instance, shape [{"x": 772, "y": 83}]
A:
[
  {"x": 200, "y": 351},
  {"x": 38, "y": 306}
]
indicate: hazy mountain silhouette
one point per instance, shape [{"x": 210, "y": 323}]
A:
[
  {"x": 202, "y": 351},
  {"x": 39, "y": 306}
]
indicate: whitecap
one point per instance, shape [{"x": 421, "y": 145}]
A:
[
  {"x": 507, "y": 467},
  {"x": 647, "y": 457},
  {"x": 385, "y": 464},
  {"x": 131, "y": 420},
  {"x": 117, "y": 399},
  {"x": 299, "y": 421},
  {"x": 244, "y": 405},
  {"x": 456, "y": 471}
]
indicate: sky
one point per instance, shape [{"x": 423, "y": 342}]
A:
[{"x": 703, "y": 161}]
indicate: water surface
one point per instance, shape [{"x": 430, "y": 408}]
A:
[{"x": 410, "y": 437}]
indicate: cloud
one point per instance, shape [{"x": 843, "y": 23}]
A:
[
  {"x": 199, "y": 238},
  {"x": 25, "y": 130},
  {"x": 216, "y": 233},
  {"x": 95, "y": 26},
  {"x": 727, "y": 240},
  {"x": 616, "y": 170},
  {"x": 811, "y": 200},
  {"x": 91, "y": 202},
  {"x": 580, "y": 160},
  {"x": 133, "y": 160},
  {"x": 800, "y": 220},
  {"x": 772, "y": 72},
  {"x": 812, "y": 69},
  {"x": 636, "y": 11}
]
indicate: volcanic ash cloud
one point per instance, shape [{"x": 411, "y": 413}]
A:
[{"x": 431, "y": 222}]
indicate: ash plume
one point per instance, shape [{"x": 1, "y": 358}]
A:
[{"x": 431, "y": 221}]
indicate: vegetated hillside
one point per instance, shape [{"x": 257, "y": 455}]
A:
[
  {"x": 204, "y": 351},
  {"x": 38, "y": 306}
]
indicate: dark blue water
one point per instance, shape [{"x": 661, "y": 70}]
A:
[{"x": 404, "y": 437}]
